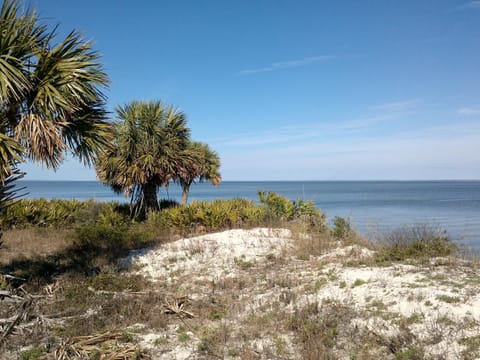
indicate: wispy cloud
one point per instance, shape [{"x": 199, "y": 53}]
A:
[
  {"x": 364, "y": 122},
  {"x": 447, "y": 151},
  {"x": 287, "y": 64},
  {"x": 279, "y": 136},
  {"x": 475, "y": 4},
  {"x": 396, "y": 106},
  {"x": 471, "y": 111}
]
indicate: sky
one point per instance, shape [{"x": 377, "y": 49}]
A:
[{"x": 297, "y": 89}]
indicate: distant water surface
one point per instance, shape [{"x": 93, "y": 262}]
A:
[{"x": 373, "y": 206}]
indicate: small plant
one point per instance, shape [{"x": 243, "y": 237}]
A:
[
  {"x": 449, "y": 299},
  {"x": 358, "y": 282},
  {"x": 183, "y": 337},
  {"x": 471, "y": 346},
  {"x": 419, "y": 242},
  {"x": 243, "y": 264},
  {"x": 33, "y": 353},
  {"x": 411, "y": 353},
  {"x": 341, "y": 228}
]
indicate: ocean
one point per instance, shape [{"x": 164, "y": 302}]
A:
[{"x": 374, "y": 207}]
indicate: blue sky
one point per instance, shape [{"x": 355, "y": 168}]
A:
[{"x": 298, "y": 90}]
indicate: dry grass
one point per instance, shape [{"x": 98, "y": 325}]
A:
[
  {"x": 296, "y": 299},
  {"x": 33, "y": 242}
]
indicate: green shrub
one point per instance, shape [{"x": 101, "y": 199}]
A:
[
  {"x": 63, "y": 213},
  {"x": 33, "y": 353},
  {"x": 112, "y": 215},
  {"x": 94, "y": 241},
  {"x": 306, "y": 212},
  {"x": 341, "y": 228},
  {"x": 415, "y": 242},
  {"x": 210, "y": 216},
  {"x": 100, "y": 235},
  {"x": 277, "y": 206},
  {"x": 52, "y": 213}
]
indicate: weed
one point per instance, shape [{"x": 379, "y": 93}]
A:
[
  {"x": 413, "y": 352},
  {"x": 183, "y": 337},
  {"x": 243, "y": 264},
  {"x": 471, "y": 346},
  {"x": 33, "y": 353},
  {"x": 358, "y": 282},
  {"x": 448, "y": 299}
]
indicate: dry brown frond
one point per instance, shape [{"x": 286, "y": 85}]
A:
[{"x": 42, "y": 139}]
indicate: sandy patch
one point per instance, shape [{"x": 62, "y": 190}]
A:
[{"x": 437, "y": 306}]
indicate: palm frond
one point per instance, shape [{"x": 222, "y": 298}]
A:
[
  {"x": 8, "y": 191},
  {"x": 41, "y": 139},
  {"x": 10, "y": 153}
]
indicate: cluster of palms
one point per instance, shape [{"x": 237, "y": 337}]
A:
[
  {"x": 51, "y": 103},
  {"x": 151, "y": 148}
]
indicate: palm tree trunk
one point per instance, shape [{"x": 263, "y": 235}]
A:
[
  {"x": 150, "y": 200},
  {"x": 185, "y": 192}
]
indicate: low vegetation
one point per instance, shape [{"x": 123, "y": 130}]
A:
[{"x": 68, "y": 290}]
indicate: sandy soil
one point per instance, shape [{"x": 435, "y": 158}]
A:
[{"x": 437, "y": 305}]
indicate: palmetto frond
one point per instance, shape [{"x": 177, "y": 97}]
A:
[
  {"x": 42, "y": 138},
  {"x": 20, "y": 36},
  {"x": 66, "y": 78},
  {"x": 51, "y": 98},
  {"x": 10, "y": 153}
]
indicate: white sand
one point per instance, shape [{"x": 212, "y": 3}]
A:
[{"x": 442, "y": 297}]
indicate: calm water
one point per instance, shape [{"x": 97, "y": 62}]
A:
[{"x": 372, "y": 205}]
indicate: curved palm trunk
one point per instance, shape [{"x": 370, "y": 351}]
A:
[{"x": 185, "y": 192}]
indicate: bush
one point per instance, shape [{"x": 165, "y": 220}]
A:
[
  {"x": 277, "y": 206},
  {"x": 62, "y": 213},
  {"x": 415, "y": 242},
  {"x": 209, "y": 216},
  {"x": 341, "y": 228}
]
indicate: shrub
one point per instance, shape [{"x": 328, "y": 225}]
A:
[
  {"x": 307, "y": 212},
  {"x": 100, "y": 235},
  {"x": 210, "y": 216},
  {"x": 277, "y": 206},
  {"x": 33, "y": 353},
  {"x": 62, "y": 213},
  {"x": 415, "y": 242},
  {"x": 112, "y": 238},
  {"x": 341, "y": 228}
]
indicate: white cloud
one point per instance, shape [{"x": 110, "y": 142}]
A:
[
  {"x": 396, "y": 106},
  {"x": 364, "y": 122},
  {"x": 469, "y": 111},
  {"x": 287, "y": 64},
  {"x": 438, "y": 152}
]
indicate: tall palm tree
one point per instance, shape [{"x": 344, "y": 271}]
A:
[
  {"x": 147, "y": 152},
  {"x": 51, "y": 100},
  {"x": 203, "y": 164}
]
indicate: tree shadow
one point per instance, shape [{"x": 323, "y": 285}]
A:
[{"x": 83, "y": 259}]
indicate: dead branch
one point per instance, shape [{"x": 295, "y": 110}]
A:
[
  {"x": 22, "y": 314},
  {"x": 177, "y": 307}
]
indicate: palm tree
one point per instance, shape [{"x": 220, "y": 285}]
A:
[
  {"x": 50, "y": 94},
  {"x": 148, "y": 151},
  {"x": 204, "y": 165}
]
